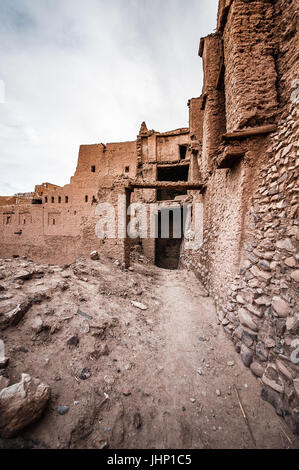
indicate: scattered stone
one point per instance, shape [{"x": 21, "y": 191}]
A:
[
  {"x": 94, "y": 255},
  {"x": 126, "y": 393},
  {"x": 22, "y": 404},
  {"x": 63, "y": 410},
  {"x": 85, "y": 315},
  {"x": 73, "y": 341},
  {"x": 218, "y": 393},
  {"x": 49, "y": 312},
  {"x": 101, "y": 349},
  {"x": 37, "y": 325},
  {"x": 296, "y": 385},
  {"x": 231, "y": 363},
  {"x": 85, "y": 374},
  {"x": 295, "y": 275},
  {"x": 138, "y": 305}
]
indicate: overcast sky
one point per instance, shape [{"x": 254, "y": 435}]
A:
[{"x": 90, "y": 71}]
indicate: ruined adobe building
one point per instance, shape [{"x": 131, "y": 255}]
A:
[{"x": 239, "y": 156}]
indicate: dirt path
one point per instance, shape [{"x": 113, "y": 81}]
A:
[
  {"x": 186, "y": 371},
  {"x": 158, "y": 377}
]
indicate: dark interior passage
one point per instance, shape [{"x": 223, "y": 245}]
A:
[
  {"x": 169, "y": 236},
  {"x": 172, "y": 173}
]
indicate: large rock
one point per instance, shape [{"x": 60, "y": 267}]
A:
[
  {"x": 22, "y": 404},
  {"x": 14, "y": 316},
  {"x": 295, "y": 275}
]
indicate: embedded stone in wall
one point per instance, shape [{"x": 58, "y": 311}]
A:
[
  {"x": 280, "y": 306},
  {"x": 246, "y": 320}
]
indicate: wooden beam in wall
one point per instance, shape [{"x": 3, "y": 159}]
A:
[
  {"x": 180, "y": 185},
  {"x": 252, "y": 132}
]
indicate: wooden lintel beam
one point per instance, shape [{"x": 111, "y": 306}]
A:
[
  {"x": 180, "y": 185},
  {"x": 252, "y": 132}
]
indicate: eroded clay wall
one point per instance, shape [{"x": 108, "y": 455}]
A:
[
  {"x": 250, "y": 70},
  {"x": 62, "y": 228}
]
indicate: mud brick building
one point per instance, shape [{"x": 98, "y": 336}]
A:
[{"x": 239, "y": 157}]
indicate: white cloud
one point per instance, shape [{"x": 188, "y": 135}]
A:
[{"x": 85, "y": 72}]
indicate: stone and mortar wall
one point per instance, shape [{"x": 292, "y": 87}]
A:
[{"x": 249, "y": 259}]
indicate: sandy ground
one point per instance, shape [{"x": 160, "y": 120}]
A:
[{"x": 158, "y": 378}]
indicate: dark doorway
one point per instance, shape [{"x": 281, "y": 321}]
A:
[
  {"x": 168, "y": 241},
  {"x": 172, "y": 173}
]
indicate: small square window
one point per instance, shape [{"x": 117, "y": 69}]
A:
[
  {"x": 46, "y": 200},
  {"x": 59, "y": 199},
  {"x": 127, "y": 169},
  {"x": 93, "y": 169},
  {"x": 86, "y": 198},
  {"x": 52, "y": 199},
  {"x": 66, "y": 199}
]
